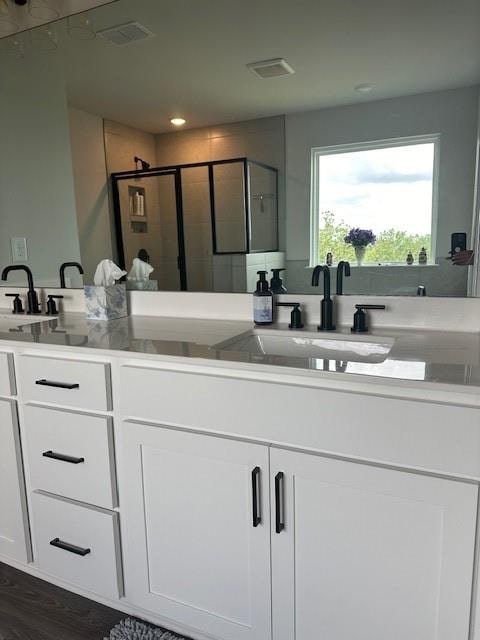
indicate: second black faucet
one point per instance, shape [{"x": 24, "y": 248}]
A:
[{"x": 326, "y": 305}]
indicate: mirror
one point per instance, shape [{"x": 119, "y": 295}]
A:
[{"x": 196, "y": 142}]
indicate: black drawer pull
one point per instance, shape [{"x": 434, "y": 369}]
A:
[
  {"x": 66, "y": 546},
  {"x": 279, "y": 503},
  {"x": 59, "y": 385},
  {"x": 256, "y": 508},
  {"x": 62, "y": 457}
]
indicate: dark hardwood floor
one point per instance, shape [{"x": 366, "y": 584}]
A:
[{"x": 31, "y": 609}]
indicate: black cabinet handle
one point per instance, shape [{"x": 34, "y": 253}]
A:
[
  {"x": 279, "y": 503},
  {"x": 66, "y": 546},
  {"x": 256, "y": 508},
  {"x": 62, "y": 457},
  {"x": 60, "y": 385}
]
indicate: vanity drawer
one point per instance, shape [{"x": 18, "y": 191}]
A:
[
  {"x": 71, "y": 454},
  {"x": 7, "y": 375},
  {"x": 73, "y": 383},
  {"x": 78, "y": 544}
]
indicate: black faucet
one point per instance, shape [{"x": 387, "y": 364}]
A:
[
  {"x": 32, "y": 299},
  {"x": 326, "y": 306},
  {"x": 62, "y": 271},
  {"x": 343, "y": 267}
]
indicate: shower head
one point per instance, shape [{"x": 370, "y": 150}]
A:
[{"x": 145, "y": 166}]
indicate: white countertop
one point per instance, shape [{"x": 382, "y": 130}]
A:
[{"x": 428, "y": 360}]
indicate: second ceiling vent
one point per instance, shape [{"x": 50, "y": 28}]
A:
[
  {"x": 275, "y": 68},
  {"x": 125, "y": 33}
]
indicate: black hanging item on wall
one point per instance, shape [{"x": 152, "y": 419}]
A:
[{"x": 145, "y": 166}]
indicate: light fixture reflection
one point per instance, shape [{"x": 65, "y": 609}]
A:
[
  {"x": 80, "y": 27},
  {"x": 44, "y": 38},
  {"x": 7, "y": 26},
  {"x": 42, "y": 10},
  {"x": 15, "y": 46}
]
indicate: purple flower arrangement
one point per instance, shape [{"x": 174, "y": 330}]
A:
[{"x": 360, "y": 237}]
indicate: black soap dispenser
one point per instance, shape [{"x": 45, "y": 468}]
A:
[
  {"x": 262, "y": 301},
  {"x": 276, "y": 283}
]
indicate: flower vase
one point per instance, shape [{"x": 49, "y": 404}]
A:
[{"x": 360, "y": 254}]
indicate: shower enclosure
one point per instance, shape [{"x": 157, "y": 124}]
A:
[{"x": 198, "y": 223}]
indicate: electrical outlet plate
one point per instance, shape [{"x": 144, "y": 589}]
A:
[{"x": 19, "y": 249}]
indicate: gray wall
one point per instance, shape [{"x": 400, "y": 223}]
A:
[
  {"x": 95, "y": 228},
  {"x": 36, "y": 182}
]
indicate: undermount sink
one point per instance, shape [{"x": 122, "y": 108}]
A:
[{"x": 301, "y": 344}]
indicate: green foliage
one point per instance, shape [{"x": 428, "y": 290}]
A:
[{"x": 392, "y": 245}]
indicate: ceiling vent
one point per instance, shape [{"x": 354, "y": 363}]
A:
[
  {"x": 125, "y": 33},
  {"x": 275, "y": 68}
]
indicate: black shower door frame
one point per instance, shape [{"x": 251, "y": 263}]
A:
[{"x": 175, "y": 170}]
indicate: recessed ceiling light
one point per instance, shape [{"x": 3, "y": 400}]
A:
[
  {"x": 365, "y": 87},
  {"x": 178, "y": 121}
]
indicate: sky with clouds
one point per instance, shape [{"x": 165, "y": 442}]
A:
[{"x": 380, "y": 189}]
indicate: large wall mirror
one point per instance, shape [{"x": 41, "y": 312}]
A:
[{"x": 212, "y": 139}]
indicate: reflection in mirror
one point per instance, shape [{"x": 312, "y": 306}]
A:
[
  {"x": 196, "y": 223},
  {"x": 272, "y": 168},
  {"x": 229, "y": 208}
]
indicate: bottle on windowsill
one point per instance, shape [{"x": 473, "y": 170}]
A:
[{"x": 422, "y": 256}]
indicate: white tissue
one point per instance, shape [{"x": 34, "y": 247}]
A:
[
  {"x": 106, "y": 273},
  {"x": 140, "y": 270}
]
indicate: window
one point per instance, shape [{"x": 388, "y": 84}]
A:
[{"x": 386, "y": 186}]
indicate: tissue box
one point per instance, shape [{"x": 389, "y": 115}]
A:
[{"x": 106, "y": 303}]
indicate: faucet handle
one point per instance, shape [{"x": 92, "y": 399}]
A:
[
  {"x": 17, "y": 303},
  {"x": 51, "y": 306},
  {"x": 295, "y": 316},
  {"x": 360, "y": 317}
]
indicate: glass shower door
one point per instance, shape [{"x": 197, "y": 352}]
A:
[{"x": 149, "y": 227}]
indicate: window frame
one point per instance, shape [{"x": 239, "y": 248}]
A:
[{"x": 317, "y": 153}]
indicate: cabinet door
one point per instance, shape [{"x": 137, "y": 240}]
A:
[
  {"x": 369, "y": 553},
  {"x": 196, "y": 537},
  {"x": 14, "y": 542}
]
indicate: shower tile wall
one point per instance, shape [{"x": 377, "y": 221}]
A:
[
  {"x": 229, "y": 193},
  {"x": 122, "y": 144},
  {"x": 197, "y": 229},
  {"x": 263, "y": 202}
]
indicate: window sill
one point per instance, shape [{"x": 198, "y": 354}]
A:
[{"x": 387, "y": 265}]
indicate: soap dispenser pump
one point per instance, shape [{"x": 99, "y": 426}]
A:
[
  {"x": 262, "y": 301},
  {"x": 276, "y": 283}
]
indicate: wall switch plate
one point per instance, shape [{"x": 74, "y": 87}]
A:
[{"x": 19, "y": 249}]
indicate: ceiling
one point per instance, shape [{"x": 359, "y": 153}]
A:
[
  {"x": 195, "y": 66},
  {"x": 17, "y": 18}
]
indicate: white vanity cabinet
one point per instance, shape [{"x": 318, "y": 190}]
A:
[
  {"x": 196, "y": 531},
  {"x": 369, "y": 553},
  {"x": 358, "y": 549},
  {"x": 14, "y": 542}
]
